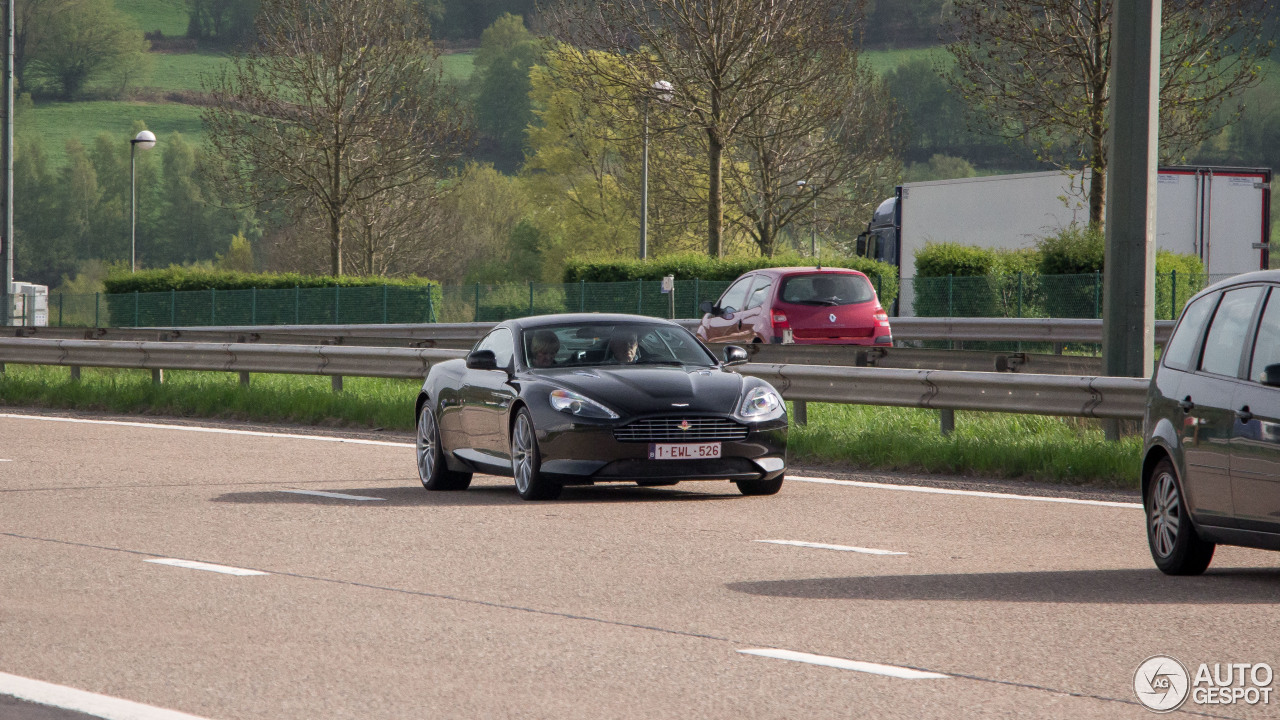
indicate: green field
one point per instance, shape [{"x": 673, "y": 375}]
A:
[
  {"x": 167, "y": 16},
  {"x": 183, "y": 71},
  {"x": 882, "y": 61},
  {"x": 53, "y": 123},
  {"x": 853, "y": 436}
]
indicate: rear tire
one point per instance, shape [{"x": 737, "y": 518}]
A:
[
  {"x": 759, "y": 487},
  {"x": 432, "y": 471},
  {"x": 526, "y": 461},
  {"x": 1175, "y": 545}
]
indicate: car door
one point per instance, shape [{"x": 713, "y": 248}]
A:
[
  {"x": 487, "y": 396},
  {"x": 722, "y": 328},
  {"x": 1207, "y": 397},
  {"x": 1255, "y": 443}
]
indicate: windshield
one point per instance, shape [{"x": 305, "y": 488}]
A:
[
  {"x": 826, "y": 289},
  {"x": 592, "y": 344}
]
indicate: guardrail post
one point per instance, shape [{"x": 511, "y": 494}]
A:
[
  {"x": 157, "y": 376},
  {"x": 337, "y": 383},
  {"x": 801, "y": 411},
  {"x": 947, "y": 422},
  {"x": 244, "y": 378},
  {"x": 75, "y": 373}
]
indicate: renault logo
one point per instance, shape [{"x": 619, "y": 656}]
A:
[{"x": 832, "y": 317}]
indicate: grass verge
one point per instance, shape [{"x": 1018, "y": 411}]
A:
[{"x": 988, "y": 444}]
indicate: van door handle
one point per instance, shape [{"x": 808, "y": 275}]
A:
[
  {"x": 1244, "y": 414},
  {"x": 1186, "y": 404}
]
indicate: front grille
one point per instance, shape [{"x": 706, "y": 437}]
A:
[{"x": 674, "y": 430}]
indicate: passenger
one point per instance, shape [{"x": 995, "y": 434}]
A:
[
  {"x": 624, "y": 347},
  {"x": 544, "y": 346}
]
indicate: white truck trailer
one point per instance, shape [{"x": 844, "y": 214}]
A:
[{"x": 1221, "y": 215}]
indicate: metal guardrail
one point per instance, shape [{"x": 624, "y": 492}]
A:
[{"x": 1036, "y": 394}]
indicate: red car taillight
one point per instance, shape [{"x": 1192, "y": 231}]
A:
[{"x": 780, "y": 321}]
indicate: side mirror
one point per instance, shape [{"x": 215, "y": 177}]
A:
[
  {"x": 482, "y": 360},
  {"x": 1271, "y": 375},
  {"x": 707, "y": 307},
  {"x": 734, "y": 355},
  {"x": 727, "y": 312}
]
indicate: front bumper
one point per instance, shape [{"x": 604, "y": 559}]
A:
[{"x": 580, "y": 452}]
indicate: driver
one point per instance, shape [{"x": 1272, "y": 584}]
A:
[
  {"x": 824, "y": 288},
  {"x": 624, "y": 346},
  {"x": 544, "y": 346}
]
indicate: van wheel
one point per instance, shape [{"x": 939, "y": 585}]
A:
[{"x": 1175, "y": 545}]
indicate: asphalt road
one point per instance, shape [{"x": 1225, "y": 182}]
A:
[{"x": 612, "y": 602}]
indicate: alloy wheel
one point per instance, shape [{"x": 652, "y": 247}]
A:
[
  {"x": 522, "y": 454},
  {"x": 1166, "y": 514},
  {"x": 426, "y": 443}
]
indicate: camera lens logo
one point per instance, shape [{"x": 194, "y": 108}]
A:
[{"x": 1162, "y": 683}]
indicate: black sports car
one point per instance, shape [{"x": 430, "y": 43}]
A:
[{"x": 578, "y": 399}]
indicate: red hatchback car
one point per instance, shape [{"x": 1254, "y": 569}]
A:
[{"x": 821, "y": 306}]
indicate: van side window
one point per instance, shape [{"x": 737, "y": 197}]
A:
[
  {"x": 1266, "y": 350},
  {"x": 1224, "y": 345},
  {"x": 1181, "y": 351}
]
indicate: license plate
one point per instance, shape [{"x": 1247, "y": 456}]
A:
[{"x": 683, "y": 451}]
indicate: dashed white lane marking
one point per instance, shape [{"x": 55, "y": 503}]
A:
[
  {"x": 824, "y": 546},
  {"x": 102, "y": 706},
  {"x": 4, "y": 460},
  {"x": 210, "y": 567},
  {"x": 969, "y": 493},
  {"x": 843, "y": 664},
  {"x": 217, "y": 431},
  {"x": 337, "y": 496}
]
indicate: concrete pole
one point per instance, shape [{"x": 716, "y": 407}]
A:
[
  {"x": 6, "y": 159},
  {"x": 1128, "y": 306}
]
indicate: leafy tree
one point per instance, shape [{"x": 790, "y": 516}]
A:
[
  {"x": 939, "y": 167},
  {"x": 223, "y": 22},
  {"x": 39, "y": 254},
  {"x": 1040, "y": 70},
  {"x": 503, "y": 110},
  {"x": 239, "y": 257},
  {"x": 339, "y": 104},
  {"x": 728, "y": 62},
  {"x": 80, "y": 41}
]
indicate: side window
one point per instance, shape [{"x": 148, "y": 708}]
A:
[
  {"x": 499, "y": 341},
  {"x": 1180, "y": 353},
  {"x": 1266, "y": 351},
  {"x": 736, "y": 296},
  {"x": 760, "y": 295},
  {"x": 1224, "y": 345}
]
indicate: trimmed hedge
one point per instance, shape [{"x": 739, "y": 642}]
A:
[
  {"x": 689, "y": 266},
  {"x": 182, "y": 297}
]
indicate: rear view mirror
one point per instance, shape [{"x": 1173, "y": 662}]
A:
[
  {"x": 1271, "y": 375},
  {"x": 734, "y": 355},
  {"x": 482, "y": 360},
  {"x": 707, "y": 307}
]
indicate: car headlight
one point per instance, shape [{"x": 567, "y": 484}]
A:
[
  {"x": 760, "y": 404},
  {"x": 578, "y": 404}
]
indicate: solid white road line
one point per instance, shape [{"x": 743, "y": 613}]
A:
[
  {"x": 824, "y": 546},
  {"x": 80, "y": 701},
  {"x": 218, "y": 431},
  {"x": 193, "y": 565},
  {"x": 969, "y": 493},
  {"x": 843, "y": 664},
  {"x": 338, "y": 496}
]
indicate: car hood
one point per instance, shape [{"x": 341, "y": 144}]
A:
[{"x": 639, "y": 390}]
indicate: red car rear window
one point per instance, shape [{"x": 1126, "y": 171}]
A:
[{"x": 826, "y": 289}]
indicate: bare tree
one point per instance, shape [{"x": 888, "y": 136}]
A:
[
  {"x": 728, "y": 61},
  {"x": 825, "y": 150},
  {"x": 1041, "y": 68},
  {"x": 340, "y": 103}
]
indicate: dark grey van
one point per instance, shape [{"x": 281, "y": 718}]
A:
[{"x": 1211, "y": 460}]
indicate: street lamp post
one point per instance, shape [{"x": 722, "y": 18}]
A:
[
  {"x": 145, "y": 140},
  {"x": 813, "y": 229},
  {"x": 662, "y": 90}
]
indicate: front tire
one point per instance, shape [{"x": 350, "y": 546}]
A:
[
  {"x": 526, "y": 461},
  {"x": 1175, "y": 545},
  {"x": 432, "y": 471},
  {"x": 759, "y": 487}
]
